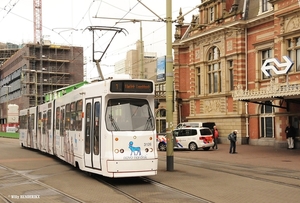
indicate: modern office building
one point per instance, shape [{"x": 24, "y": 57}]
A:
[
  {"x": 31, "y": 70},
  {"x": 138, "y": 64}
]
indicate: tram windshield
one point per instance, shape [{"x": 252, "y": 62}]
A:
[{"x": 129, "y": 114}]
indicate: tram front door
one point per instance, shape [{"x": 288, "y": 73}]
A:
[{"x": 92, "y": 131}]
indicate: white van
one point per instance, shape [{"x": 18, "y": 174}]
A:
[
  {"x": 189, "y": 138},
  {"x": 189, "y": 124},
  {"x": 210, "y": 125}
]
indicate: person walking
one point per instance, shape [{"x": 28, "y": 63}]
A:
[
  {"x": 290, "y": 136},
  {"x": 215, "y": 134},
  {"x": 232, "y": 138}
]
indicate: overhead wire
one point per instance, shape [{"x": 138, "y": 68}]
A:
[
  {"x": 9, "y": 9},
  {"x": 119, "y": 51}
]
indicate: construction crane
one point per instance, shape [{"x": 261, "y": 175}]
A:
[
  {"x": 38, "y": 39},
  {"x": 37, "y": 18}
]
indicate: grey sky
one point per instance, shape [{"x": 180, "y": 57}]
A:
[{"x": 64, "y": 21}]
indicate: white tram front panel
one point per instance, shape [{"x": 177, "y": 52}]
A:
[{"x": 130, "y": 124}]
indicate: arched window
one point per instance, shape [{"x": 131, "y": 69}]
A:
[
  {"x": 214, "y": 71},
  {"x": 267, "y": 120}
]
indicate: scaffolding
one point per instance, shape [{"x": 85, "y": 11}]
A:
[
  {"x": 49, "y": 69},
  {"x": 6, "y": 54}
]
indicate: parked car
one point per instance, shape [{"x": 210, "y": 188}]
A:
[
  {"x": 210, "y": 125},
  {"x": 192, "y": 138}
]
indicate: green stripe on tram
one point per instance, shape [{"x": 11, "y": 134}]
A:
[{"x": 62, "y": 91}]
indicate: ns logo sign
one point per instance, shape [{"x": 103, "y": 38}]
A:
[{"x": 276, "y": 66}]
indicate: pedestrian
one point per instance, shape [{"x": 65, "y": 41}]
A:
[
  {"x": 215, "y": 133},
  {"x": 232, "y": 138},
  {"x": 290, "y": 136}
]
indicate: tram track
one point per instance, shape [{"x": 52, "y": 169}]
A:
[
  {"x": 34, "y": 190},
  {"x": 272, "y": 175},
  {"x": 149, "y": 190},
  {"x": 191, "y": 181}
]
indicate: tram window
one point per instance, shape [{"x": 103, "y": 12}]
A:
[
  {"x": 57, "y": 117},
  {"x": 21, "y": 122},
  {"x": 62, "y": 122},
  {"x": 44, "y": 123},
  {"x": 49, "y": 118},
  {"x": 68, "y": 114},
  {"x": 25, "y": 122},
  {"x": 129, "y": 114},
  {"x": 28, "y": 122},
  {"x": 40, "y": 121},
  {"x": 96, "y": 127},
  {"x": 78, "y": 115},
  {"x": 88, "y": 129},
  {"x": 73, "y": 115},
  {"x": 31, "y": 121}
]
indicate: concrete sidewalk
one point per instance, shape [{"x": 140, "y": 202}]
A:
[
  {"x": 231, "y": 186},
  {"x": 265, "y": 156}
]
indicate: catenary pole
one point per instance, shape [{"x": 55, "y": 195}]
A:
[{"x": 169, "y": 87}]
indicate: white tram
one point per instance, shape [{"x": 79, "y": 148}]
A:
[{"x": 105, "y": 127}]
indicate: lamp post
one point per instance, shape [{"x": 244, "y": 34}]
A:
[{"x": 169, "y": 87}]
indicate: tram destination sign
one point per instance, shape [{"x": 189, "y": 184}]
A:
[
  {"x": 277, "y": 67},
  {"x": 133, "y": 86}
]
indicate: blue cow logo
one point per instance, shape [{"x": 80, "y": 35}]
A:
[{"x": 134, "y": 150}]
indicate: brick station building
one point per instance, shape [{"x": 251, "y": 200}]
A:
[{"x": 218, "y": 77}]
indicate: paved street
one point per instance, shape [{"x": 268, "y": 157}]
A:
[{"x": 255, "y": 174}]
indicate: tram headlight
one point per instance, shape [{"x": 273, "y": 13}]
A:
[
  {"x": 149, "y": 149},
  {"x": 121, "y": 150},
  {"x": 116, "y": 151}
]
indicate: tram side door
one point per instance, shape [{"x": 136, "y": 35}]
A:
[{"x": 92, "y": 133}]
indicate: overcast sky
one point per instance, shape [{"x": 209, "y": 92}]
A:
[{"x": 64, "y": 22}]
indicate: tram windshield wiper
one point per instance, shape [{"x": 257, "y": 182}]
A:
[
  {"x": 149, "y": 123},
  {"x": 113, "y": 122}
]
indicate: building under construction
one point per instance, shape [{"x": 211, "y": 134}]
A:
[{"x": 30, "y": 71}]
